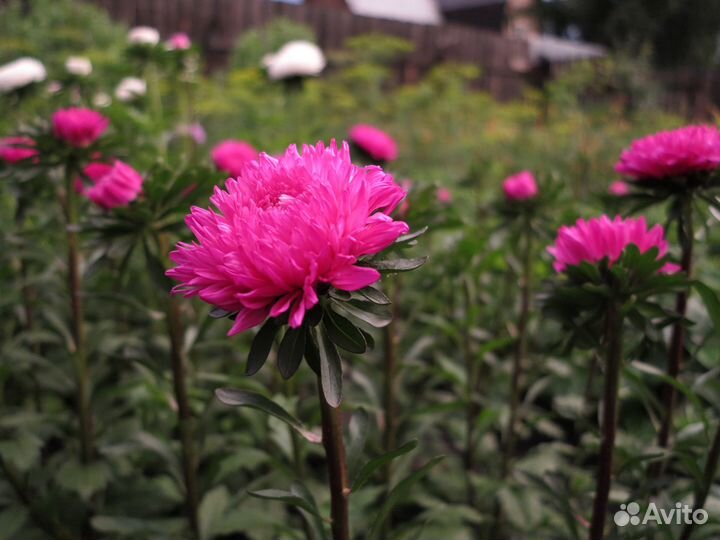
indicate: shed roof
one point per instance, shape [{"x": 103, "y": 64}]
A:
[{"x": 416, "y": 11}]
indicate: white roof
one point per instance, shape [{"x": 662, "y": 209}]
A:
[
  {"x": 555, "y": 49},
  {"x": 416, "y": 11}
]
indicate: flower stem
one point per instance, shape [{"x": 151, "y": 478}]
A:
[
  {"x": 711, "y": 466},
  {"x": 521, "y": 347},
  {"x": 79, "y": 353},
  {"x": 332, "y": 438},
  {"x": 613, "y": 358},
  {"x": 677, "y": 341},
  {"x": 185, "y": 417}
]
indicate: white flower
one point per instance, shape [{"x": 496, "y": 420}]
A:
[
  {"x": 21, "y": 72},
  {"x": 78, "y": 65},
  {"x": 130, "y": 88},
  {"x": 295, "y": 59},
  {"x": 143, "y": 35},
  {"x": 101, "y": 99}
]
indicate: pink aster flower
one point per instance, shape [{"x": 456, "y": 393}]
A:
[
  {"x": 79, "y": 127},
  {"x": 283, "y": 230},
  {"x": 113, "y": 186},
  {"x": 16, "y": 149},
  {"x": 594, "y": 240},
  {"x": 443, "y": 195},
  {"x": 520, "y": 187},
  {"x": 678, "y": 152},
  {"x": 179, "y": 42},
  {"x": 374, "y": 142},
  {"x": 619, "y": 189},
  {"x": 231, "y": 156}
]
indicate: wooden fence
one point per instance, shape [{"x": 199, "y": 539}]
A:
[{"x": 216, "y": 25}]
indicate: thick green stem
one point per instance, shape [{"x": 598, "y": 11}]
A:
[
  {"x": 38, "y": 515},
  {"x": 677, "y": 341},
  {"x": 521, "y": 346},
  {"x": 186, "y": 422},
  {"x": 711, "y": 466},
  {"x": 332, "y": 438},
  {"x": 77, "y": 318},
  {"x": 613, "y": 359}
]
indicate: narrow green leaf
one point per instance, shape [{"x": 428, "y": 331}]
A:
[
  {"x": 411, "y": 236},
  {"x": 373, "y": 465},
  {"x": 343, "y": 333},
  {"x": 710, "y": 299},
  {"x": 399, "y": 493},
  {"x": 312, "y": 354},
  {"x": 261, "y": 346},
  {"x": 358, "y": 432},
  {"x": 372, "y": 314},
  {"x": 211, "y": 509},
  {"x": 330, "y": 370},
  {"x": 243, "y": 398},
  {"x": 397, "y": 265},
  {"x": 374, "y": 295},
  {"x": 293, "y": 498},
  {"x": 291, "y": 351}
]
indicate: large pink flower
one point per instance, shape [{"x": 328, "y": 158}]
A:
[
  {"x": 231, "y": 156},
  {"x": 79, "y": 127},
  {"x": 679, "y": 152},
  {"x": 113, "y": 186},
  {"x": 285, "y": 228},
  {"x": 374, "y": 142},
  {"x": 594, "y": 240},
  {"x": 16, "y": 149},
  {"x": 520, "y": 187}
]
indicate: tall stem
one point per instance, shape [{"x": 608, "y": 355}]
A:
[
  {"x": 711, "y": 466},
  {"x": 77, "y": 316},
  {"x": 185, "y": 417},
  {"x": 677, "y": 341},
  {"x": 521, "y": 347},
  {"x": 332, "y": 438},
  {"x": 613, "y": 358}
]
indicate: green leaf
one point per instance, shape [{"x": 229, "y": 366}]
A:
[
  {"x": 373, "y": 465},
  {"x": 261, "y": 346},
  {"x": 411, "y": 236},
  {"x": 373, "y": 314},
  {"x": 330, "y": 370},
  {"x": 85, "y": 479},
  {"x": 397, "y": 265},
  {"x": 291, "y": 351},
  {"x": 710, "y": 299},
  {"x": 243, "y": 398},
  {"x": 398, "y": 493},
  {"x": 23, "y": 450},
  {"x": 358, "y": 432},
  {"x": 11, "y": 521},
  {"x": 343, "y": 333},
  {"x": 295, "y": 497},
  {"x": 126, "y": 526},
  {"x": 371, "y": 294},
  {"x": 211, "y": 509}
]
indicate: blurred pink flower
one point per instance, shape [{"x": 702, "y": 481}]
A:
[
  {"x": 443, "y": 195},
  {"x": 593, "y": 240},
  {"x": 79, "y": 127},
  {"x": 679, "y": 152},
  {"x": 406, "y": 184},
  {"x": 231, "y": 156},
  {"x": 374, "y": 142},
  {"x": 520, "y": 187},
  {"x": 619, "y": 189},
  {"x": 285, "y": 228},
  {"x": 113, "y": 186},
  {"x": 16, "y": 149},
  {"x": 195, "y": 131},
  {"x": 179, "y": 42}
]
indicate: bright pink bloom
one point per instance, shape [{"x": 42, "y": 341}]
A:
[
  {"x": 679, "y": 152},
  {"x": 15, "y": 149},
  {"x": 520, "y": 187},
  {"x": 231, "y": 156},
  {"x": 619, "y": 189},
  {"x": 443, "y": 195},
  {"x": 113, "y": 186},
  {"x": 374, "y": 142},
  {"x": 594, "y": 240},
  {"x": 282, "y": 229},
  {"x": 179, "y": 42},
  {"x": 79, "y": 127}
]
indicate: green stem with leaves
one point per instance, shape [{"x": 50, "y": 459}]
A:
[
  {"x": 677, "y": 341},
  {"x": 77, "y": 317},
  {"x": 613, "y": 362},
  {"x": 332, "y": 439},
  {"x": 711, "y": 466},
  {"x": 521, "y": 347}
]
